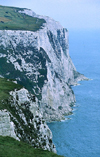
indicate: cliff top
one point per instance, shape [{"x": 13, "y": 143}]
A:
[{"x": 12, "y": 19}]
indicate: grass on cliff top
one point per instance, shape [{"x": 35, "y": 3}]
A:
[
  {"x": 10, "y": 147},
  {"x": 5, "y": 87},
  {"x": 11, "y": 19}
]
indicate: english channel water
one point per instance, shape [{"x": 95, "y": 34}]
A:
[{"x": 79, "y": 135}]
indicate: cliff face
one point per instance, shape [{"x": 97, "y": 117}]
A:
[{"x": 40, "y": 61}]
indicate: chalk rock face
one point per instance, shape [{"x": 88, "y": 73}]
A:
[
  {"x": 40, "y": 61},
  {"x": 25, "y": 121},
  {"x": 6, "y": 126}
]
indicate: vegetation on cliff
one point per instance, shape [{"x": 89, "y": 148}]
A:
[
  {"x": 11, "y": 19},
  {"x": 10, "y": 147},
  {"x": 5, "y": 87}
]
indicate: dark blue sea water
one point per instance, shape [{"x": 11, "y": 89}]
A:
[{"x": 80, "y": 135}]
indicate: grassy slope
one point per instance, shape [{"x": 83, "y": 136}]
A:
[
  {"x": 9, "y": 147},
  {"x": 11, "y": 19}
]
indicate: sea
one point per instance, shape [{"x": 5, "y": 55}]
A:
[{"x": 79, "y": 134}]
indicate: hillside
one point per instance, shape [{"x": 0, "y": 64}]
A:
[{"x": 10, "y": 147}]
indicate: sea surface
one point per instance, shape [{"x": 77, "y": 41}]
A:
[{"x": 79, "y": 136}]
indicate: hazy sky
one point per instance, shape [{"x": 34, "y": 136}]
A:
[{"x": 72, "y": 14}]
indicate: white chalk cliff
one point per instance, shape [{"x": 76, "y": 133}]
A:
[
  {"x": 40, "y": 62},
  {"x": 42, "y": 58}
]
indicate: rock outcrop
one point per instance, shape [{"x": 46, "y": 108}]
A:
[{"x": 24, "y": 121}]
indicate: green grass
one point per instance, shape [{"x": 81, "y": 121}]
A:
[
  {"x": 11, "y": 19},
  {"x": 5, "y": 88},
  {"x": 10, "y": 147}
]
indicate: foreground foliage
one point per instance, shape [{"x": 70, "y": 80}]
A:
[{"x": 10, "y": 147}]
